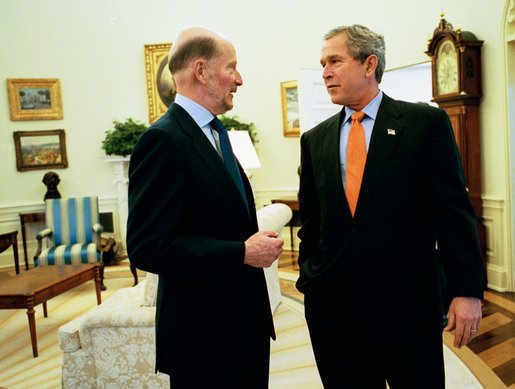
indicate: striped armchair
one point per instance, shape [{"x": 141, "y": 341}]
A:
[{"x": 72, "y": 233}]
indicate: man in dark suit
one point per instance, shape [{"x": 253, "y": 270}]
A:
[
  {"x": 369, "y": 266},
  {"x": 194, "y": 224}
]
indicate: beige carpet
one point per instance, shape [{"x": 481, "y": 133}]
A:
[
  {"x": 298, "y": 370},
  {"x": 292, "y": 364},
  {"x": 292, "y": 361}
]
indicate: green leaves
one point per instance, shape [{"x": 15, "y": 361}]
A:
[
  {"x": 233, "y": 123},
  {"x": 122, "y": 139}
]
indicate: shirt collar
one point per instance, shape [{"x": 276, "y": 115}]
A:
[
  {"x": 370, "y": 109},
  {"x": 200, "y": 114}
]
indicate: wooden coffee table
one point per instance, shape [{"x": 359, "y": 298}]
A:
[{"x": 39, "y": 285}]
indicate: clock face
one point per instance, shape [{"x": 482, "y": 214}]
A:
[{"x": 446, "y": 68}]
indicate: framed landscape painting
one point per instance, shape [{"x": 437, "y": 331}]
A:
[
  {"x": 40, "y": 149},
  {"x": 34, "y": 98},
  {"x": 160, "y": 85},
  {"x": 290, "y": 108}
]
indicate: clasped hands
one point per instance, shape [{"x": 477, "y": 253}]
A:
[{"x": 262, "y": 249}]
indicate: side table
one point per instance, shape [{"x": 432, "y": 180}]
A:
[
  {"x": 11, "y": 239},
  {"x": 293, "y": 203},
  {"x": 29, "y": 217}
]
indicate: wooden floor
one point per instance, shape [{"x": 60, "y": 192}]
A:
[{"x": 495, "y": 343}]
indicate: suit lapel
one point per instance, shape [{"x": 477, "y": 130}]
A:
[
  {"x": 388, "y": 129},
  {"x": 206, "y": 152},
  {"x": 330, "y": 162}
]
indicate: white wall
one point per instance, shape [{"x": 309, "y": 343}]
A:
[{"x": 95, "y": 48}]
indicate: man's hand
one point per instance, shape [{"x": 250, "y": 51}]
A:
[
  {"x": 262, "y": 249},
  {"x": 464, "y": 316}
]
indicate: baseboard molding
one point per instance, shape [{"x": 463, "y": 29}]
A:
[
  {"x": 498, "y": 249},
  {"x": 499, "y": 263},
  {"x": 265, "y": 196}
]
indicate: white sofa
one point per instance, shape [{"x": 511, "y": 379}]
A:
[{"x": 113, "y": 345}]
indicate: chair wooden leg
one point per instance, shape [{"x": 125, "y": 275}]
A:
[
  {"x": 134, "y": 273},
  {"x": 102, "y": 286}
]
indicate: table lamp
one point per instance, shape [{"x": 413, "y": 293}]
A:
[{"x": 244, "y": 150}]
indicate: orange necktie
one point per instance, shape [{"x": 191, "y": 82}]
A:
[{"x": 356, "y": 158}]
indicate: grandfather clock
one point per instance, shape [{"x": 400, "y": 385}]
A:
[{"x": 456, "y": 65}]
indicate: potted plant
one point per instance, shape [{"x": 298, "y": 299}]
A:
[
  {"x": 234, "y": 123},
  {"x": 122, "y": 139}
]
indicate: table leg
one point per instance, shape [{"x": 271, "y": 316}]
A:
[
  {"x": 291, "y": 235},
  {"x": 24, "y": 241},
  {"x": 134, "y": 273},
  {"x": 32, "y": 326},
  {"x": 45, "y": 310},
  {"x": 97, "y": 285},
  {"x": 17, "y": 259}
]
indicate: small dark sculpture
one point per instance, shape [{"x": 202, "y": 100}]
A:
[
  {"x": 51, "y": 180},
  {"x": 110, "y": 249}
]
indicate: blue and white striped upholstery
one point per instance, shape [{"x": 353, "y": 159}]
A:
[{"x": 73, "y": 232}]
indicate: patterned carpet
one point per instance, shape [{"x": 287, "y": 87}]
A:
[
  {"x": 292, "y": 361},
  {"x": 18, "y": 369}
]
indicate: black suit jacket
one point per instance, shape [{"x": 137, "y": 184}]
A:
[
  {"x": 188, "y": 223},
  {"x": 412, "y": 198}
]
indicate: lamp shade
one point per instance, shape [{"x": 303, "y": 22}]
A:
[{"x": 244, "y": 149}]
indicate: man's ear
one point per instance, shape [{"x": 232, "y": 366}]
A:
[
  {"x": 371, "y": 65},
  {"x": 199, "y": 70}
]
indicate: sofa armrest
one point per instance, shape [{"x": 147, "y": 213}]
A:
[
  {"x": 122, "y": 316},
  {"x": 68, "y": 336},
  {"x": 46, "y": 233},
  {"x": 122, "y": 309}
]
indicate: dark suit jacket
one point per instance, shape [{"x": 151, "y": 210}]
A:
[
  {"x": 412, "y": 196},
  {"x": 188, "y": 223}
]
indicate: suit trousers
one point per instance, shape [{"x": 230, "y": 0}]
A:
[
  {"x": 235, "y": 366},
  {"x": 345, "y": 359}
]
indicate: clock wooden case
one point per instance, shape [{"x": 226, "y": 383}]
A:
[
  {"x": 456, "y": 66},
  {"x": 456, "y": 57}
]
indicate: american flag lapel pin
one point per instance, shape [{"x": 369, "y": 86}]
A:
[{"x": 390, "y": 131}]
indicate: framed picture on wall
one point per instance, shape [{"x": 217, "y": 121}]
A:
[
  {"x": 40, "y": 149},
  {"x": 290, "y": 107},
  {"x": 34, "y": 98},
  {"x": 160, "y": 85}
]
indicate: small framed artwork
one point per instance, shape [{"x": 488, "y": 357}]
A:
[
  {"x": 160, "y": 85},
  {"x": 290, "y": 105},
  {"x": 40, "y": 149},
  {"x": 34, "y": 98}
]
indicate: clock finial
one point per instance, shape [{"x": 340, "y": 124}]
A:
[{"x": 444, "y": 25}]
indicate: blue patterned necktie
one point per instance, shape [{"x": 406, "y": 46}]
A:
[{"x": 228, "y": 157}]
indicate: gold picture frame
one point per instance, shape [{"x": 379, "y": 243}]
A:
[
  {"x": 160, "y": 85},
  {"x": 290, "y": 108},
  {"x": 34, "y": 98},
  {"x": 40, "y": 150}
]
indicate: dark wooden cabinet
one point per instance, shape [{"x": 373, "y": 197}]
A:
[{"x": 465, "y": 123}]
